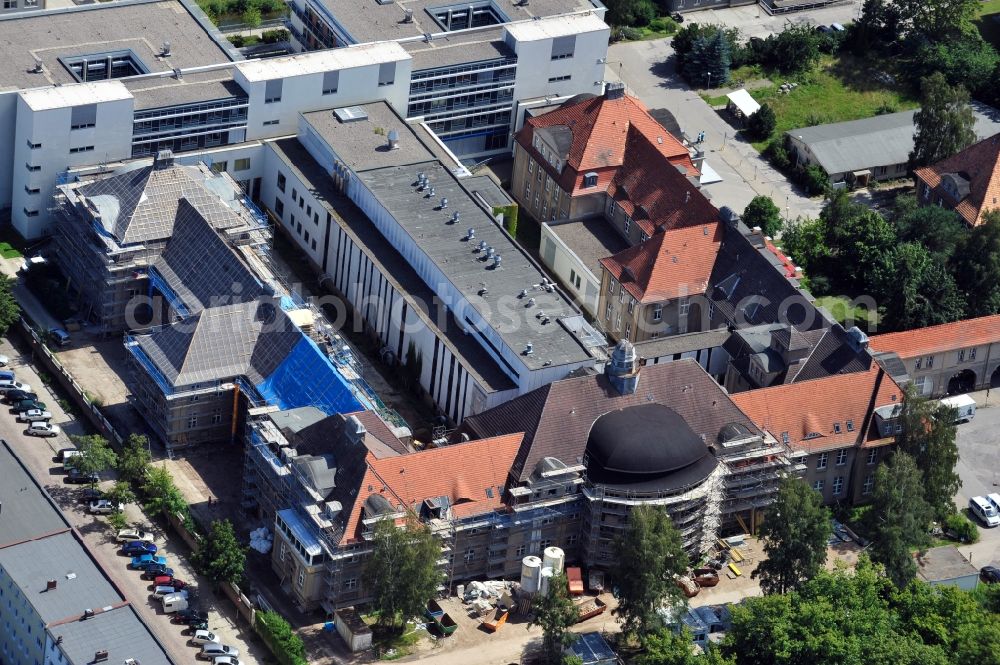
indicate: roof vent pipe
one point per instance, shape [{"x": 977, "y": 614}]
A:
[
  {"x": 496, "y": 261},
  {"x": 455, "y": 217},
  {"x": 444, "y": 203},
  {"x": 408, "y": 16},
  {"x": 482, "y": 245},
  {"x": 529, "y": 349},
  {"x": 393, "y": 139},
  {"x": 430, "y": 191},
  {"x": 471, "y": 234}
]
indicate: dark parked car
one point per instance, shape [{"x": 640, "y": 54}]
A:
[
  {"x": 137, "y": 547},
  {"x": 28, "y": 405},
  {"x": 155, "y": 570},
  {"x": 190, "y": 617},
  {"x": 15, "y": 396},
  {"x": 990, "y": 574},
  {"x": 88, "y": 494},
  {"x": 677, "y": 16},
  {"x": 79, "y": 477}
]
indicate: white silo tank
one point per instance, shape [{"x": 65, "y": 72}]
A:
[
  {"x": 554, "y": 558},
  {"x": 544, "y": 579},
  {"x": 531, "y": 569}
]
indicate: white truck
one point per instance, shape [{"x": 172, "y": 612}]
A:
[
  {"x": 964, "y": 405},
  {"x": 174, "y": 602}
]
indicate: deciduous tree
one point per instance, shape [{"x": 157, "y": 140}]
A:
[
  {"x": 762, "y": 212},
  {"x": 795, "y": 531},
  {"x": 915, "y": 290},
  {"x": 134, "y": 460},
  {"x": 10, "y": 311},
  {"x": 943, "y": 125},
  {"x": 220, "y": 556},
  {"x": 976, "y": 266},
  {"x": 555, "y": 613},
  {"x": 97, "y": 456},
  {"x": 648, "y": 557},
  {"x": 402, "y": 574},
  {"x": 928, "y": 437},
  {"x": 761, "y": 124},
  {"x": 899, "y": 517}
]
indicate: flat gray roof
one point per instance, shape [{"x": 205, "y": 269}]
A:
[
  {"x": 80, "y": 584},
  {"x": 140, "y": 25},
  {"x": 677, "y": 344},
  {"x": 120, "y": 632},
  {"x": 445, "y": 244},
  {"x": 390, "y": 263},
  {"x": 882, "y": 140},
  {"x": 487, "y": 188},
  {"x": 591, "y": 240},
  {"x": 169, "y": 91},
  {"x": 27, "y": 510},
  {"x": 940, "y": 564},
  {"x": 363, "y": 144},
  {"x": 457, "y": 49},
  {"x": 368, "y": 21}
]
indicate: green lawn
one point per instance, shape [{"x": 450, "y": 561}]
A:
[
  {"x": 7, "y": 251},
  {"x": 989, "y": 21},
  {"x": 841, "y": 309}
]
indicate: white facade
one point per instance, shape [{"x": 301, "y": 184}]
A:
[
  {"x": 22, "y": 631},
  {"x": 575, "y": 276}
]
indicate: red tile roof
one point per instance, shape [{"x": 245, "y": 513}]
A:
[
  {"x": 472, "y": 475},
  {"x": 980, "y": 165},
  {"x": 808, "y": 410},
  {"x": 669, "y": 265},
  {"x": 654, "y": 193},
  {"x": 600, "y": 129},
  {"x": 943, "y": 337}
]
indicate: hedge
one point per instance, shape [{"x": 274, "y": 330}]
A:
[{"x": 286, "y": 646}]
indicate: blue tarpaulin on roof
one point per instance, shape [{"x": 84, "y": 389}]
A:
[{"x": 306, "y": 377}]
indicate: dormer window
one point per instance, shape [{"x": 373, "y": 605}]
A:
[{"x": 590, "y": 179}]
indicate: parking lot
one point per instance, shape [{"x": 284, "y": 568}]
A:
[
  {"x": 979, "y": 468},
  {"x": 40, "y": 455}
]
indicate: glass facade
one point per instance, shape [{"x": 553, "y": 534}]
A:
[{"x": 190, "y": 126}]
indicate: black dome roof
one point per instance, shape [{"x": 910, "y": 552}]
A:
[{"x": 644, "y": 440}]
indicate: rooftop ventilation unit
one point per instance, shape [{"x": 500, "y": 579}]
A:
[
  {"x": 384, "y": 2},
  {"x": 482, "y": 246},
  {"x": 444, "y": 203},
  {"x": 471, "y": 234},
  {"x": 421, "y": 176},
  {"x": 430, "y": 191},
  {"x": 51, "y": 585},
  {"x": 393, "y": 139},
  {"x": 100, "y": 656},
  {"x": 165, "y": 50},
  {"x": 523, "y": 293},
  {"x": 531, "y": 302},
  {"x": 545, "y": 321},
  {"x": 408, "y": 16},
  {"x": 490, "y": 252},
  {"x": 528, "y": 349},
  {"x": 350, "y": 114},
  {"x": 455, "y": 217},
  {"x": 540, "y": 314},
  {"x": 39, "y": 67},
  {"x": 496, "y": 261}
]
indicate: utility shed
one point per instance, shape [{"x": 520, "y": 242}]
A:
[
  {"x": 355, "y": 632},
  {"x": 592, "y": 649},
  {"x": 946, "y": 565}
]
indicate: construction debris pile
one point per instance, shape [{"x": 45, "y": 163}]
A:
[{"x": 261, "y": 540}]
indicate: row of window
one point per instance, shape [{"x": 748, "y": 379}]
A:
[
  {"x": 242, "y": 164},
  {"x": 838, "y": 485},
  {"x": 823, "y": 458}
]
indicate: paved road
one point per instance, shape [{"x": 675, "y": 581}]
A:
[
  {"x": 39, "y": 455},
  {"x": 979, "y": 468}
]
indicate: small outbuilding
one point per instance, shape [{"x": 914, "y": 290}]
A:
[
  {"x": 741, "y": 105},
  {"x": 355, "y": 632},
  {"x": 946, "y": 565},
  {"x": 593, "y": 649}
]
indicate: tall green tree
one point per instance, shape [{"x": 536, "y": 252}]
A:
[
  {"x": 401, "y": 573},
  {"x": 899, "y": 517},
  {"x": 928, "y": 437},
  {"x": 648, "y": 557},
  {"x": 762, "y": 212},
  {"x": 630, "y": 12},
  {"x": 938, "y": 20},
  {"x": 97, "y": 455},
  {"x": 976, "y": 266},
  {"x": 795, "y": 531},
  {"x": 10, "y": 311},
  {"x": 556, "y": 614},
  {"x": 915, "y": 290},
  {"x": 671, "y": 647},
  {"x": 707, "y": 65},
  {"x": 121, "y": 493},
  {"x": 760, "y": 125},
  {"x": 794, "y": 49},
  {"x": 860, "y": 240},
  {"x": 161, "y": 492},
  {"x": 943, "y": 125},
  {"x": 134, "y": 459},
  {"x": 937, "y": 229},
  {"x": 220, "y": 557}
]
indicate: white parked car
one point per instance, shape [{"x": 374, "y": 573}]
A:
[
  {"x": 226, "y": 660},
  {"x": 4, "y": 360},
  {"x": 129, "y": 535},
  {"x": 34, "y": 416},
  {"x": 213, "y": 650},
  {"x": 43, "y": 429},
  {"x": 10, "y": 384},
  {"x": 103, "y": 507},
  {"x": 161, "y": 591},
  {"x": 204, "y": 637}
]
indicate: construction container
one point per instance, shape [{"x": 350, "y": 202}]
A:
[{"x": 554, "y": 558}]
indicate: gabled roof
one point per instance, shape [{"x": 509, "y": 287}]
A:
[
  {"x": 943, "y": 337},
  {"x": 556, "y": 419},
  {"x": 810, "y": 412},
  {"x": 669, "y": 265},
  {"x": 471, "y": 475},
  {"x": 142, "y": 204},
  {"x": 656, "y": 193},
  {"x": 979, "y": 166},
  {"x": 199, "y": 266},
  {"x": 600, "y": 129},
  {"x": 246, "y": 339}
]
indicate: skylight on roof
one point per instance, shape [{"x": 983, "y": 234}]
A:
[{"x": 105, "y": 65}]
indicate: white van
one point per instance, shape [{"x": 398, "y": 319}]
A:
[
  {"x": 985, "y": 511},
  {"x": 174, "y": 602},
  {"x": 994, "y": 499},
  {"x": 963, "y": 404}
]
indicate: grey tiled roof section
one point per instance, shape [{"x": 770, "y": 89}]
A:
[
  {"x": 27, "y": 510},
  {"x": 101, "y": 27},
  {"x": 458, "y": 48},
  {"x": 200, "y": 266},
  {"x": 222, "y": 343},
  {"x": 33, "y": 563},
  {"x": 141, "y": 204},
  {"x": 120, "y": 632},
  {"x": 833, "y": 354},
  {"x": 557, "y": 418},
  {"x": 675, "y": 344}
]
